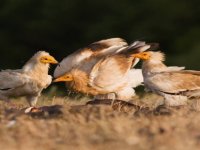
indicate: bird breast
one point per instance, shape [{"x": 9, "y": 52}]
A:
[{"x": 80, "y": 83}]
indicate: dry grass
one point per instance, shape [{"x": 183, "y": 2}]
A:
[{"x": 100, "y": 127}]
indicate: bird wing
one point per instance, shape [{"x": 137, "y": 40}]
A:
[
  {"x": 174, "y": 82},
  {"x": 109, "y": 73},
  {"x": 11, "y": 79},
  {"x": 137, "y": 47},
  {"x": 108, "y": 46},
  {"x": 174, "y": 68},
  {"x": 100, "y": 48},
  {"x": 115, "y": 70}
]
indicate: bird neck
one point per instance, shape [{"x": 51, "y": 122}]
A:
[
  {"x": 36, "y": 69},
  {"x": 80, "y": 82},
  {"x": 80, "y": 78},
  {"x": 151, "y": 66}
]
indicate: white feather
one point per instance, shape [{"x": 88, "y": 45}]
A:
[
  {"x": 135, "y": 77},
  {"x": 125, "y": 94}
]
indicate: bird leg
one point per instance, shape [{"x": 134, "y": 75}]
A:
[
  {"x": 162, "y": 110},
  {"x": 106, "y": 96},
  {"x": 106, "y": 99},
  {"x": 32, "y": 100}
]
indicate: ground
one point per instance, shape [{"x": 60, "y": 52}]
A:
[{"x": 75, "y": 126}]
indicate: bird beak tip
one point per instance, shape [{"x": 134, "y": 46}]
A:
[
  {"x": 55, "y": 62},
  {"x": 55, "y": 80}
]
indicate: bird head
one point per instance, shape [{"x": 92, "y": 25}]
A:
[
  {"x": 65, "y": 78},
  {"x": 150, "y": 55},
  {"x": 143, "y": 55},
  {"x": 43, "y": 57},
  {"x": 48, "y": 59},
  {"x": 39, "y": 62}
]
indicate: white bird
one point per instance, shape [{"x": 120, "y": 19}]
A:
[
  {"x": 28, "y": 81},
  {"x": 111, "y": 74},
  {"x": 175, "y": 84}
]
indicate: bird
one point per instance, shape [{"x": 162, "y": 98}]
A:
[
  {"x": 29, "y": 81},
  {"x": 95, "y": 50},
  {"x": 174, "y": 83},
  {"x": 109, "y": 76}
]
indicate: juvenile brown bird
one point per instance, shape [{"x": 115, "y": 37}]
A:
[
  {"x": 28, "y": 81},
  {"x": 175, "y": 84},
  {"x": 112, "y": 74}
]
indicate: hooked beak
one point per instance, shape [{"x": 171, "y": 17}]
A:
[
  {"x": 52, "y": 60},
  {"x": 142, "y": 55},
  {"x": 65, "y": 78},
  {"x": 48, "y": 60}
]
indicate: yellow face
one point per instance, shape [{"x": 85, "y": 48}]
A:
[
  {"x": 143, "y": 55},
  {"x": 64, "y": 78},
  {"x": 48, "y": 60}
]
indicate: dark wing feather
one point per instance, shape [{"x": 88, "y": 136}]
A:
[{"x": 100, "y": 48}]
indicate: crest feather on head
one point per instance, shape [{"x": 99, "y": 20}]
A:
[
  {"x": 157, "y": 56},
  {"x": 40, "y": 54}
]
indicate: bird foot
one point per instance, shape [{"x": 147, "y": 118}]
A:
[
  {"x": 99, "y": 102},
  {"x": 44, "y": 111},
  {"x": 162, "y": 110},
  {"x": 32, "y": 110}
]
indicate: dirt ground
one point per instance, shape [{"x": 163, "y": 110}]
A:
[{"x": 71, "y": 125}]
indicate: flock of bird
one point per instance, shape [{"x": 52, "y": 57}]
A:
[{"x": 104, "y": 69}]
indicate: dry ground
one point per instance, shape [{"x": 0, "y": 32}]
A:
[{"x": 100, "y": 127}]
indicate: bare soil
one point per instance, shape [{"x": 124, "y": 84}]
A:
[{"x": 70, "y": 124}]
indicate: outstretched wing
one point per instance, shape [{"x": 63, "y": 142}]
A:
[
  {"x": 11, "y": 80},
  {"x": 100, "y": 48},
  {"x": 174, "y": 82},
  {"x": 113, "y": 71},
  {"x": 137, "y": 47}
]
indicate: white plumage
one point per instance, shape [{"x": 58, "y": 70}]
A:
[
  {"x": 105, "y": 72},
  {"x": 28, "y": 81},
  {"x": 175, "y": 84}
]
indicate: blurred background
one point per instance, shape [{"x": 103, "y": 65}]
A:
[{"x": 64, "y": 26}]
